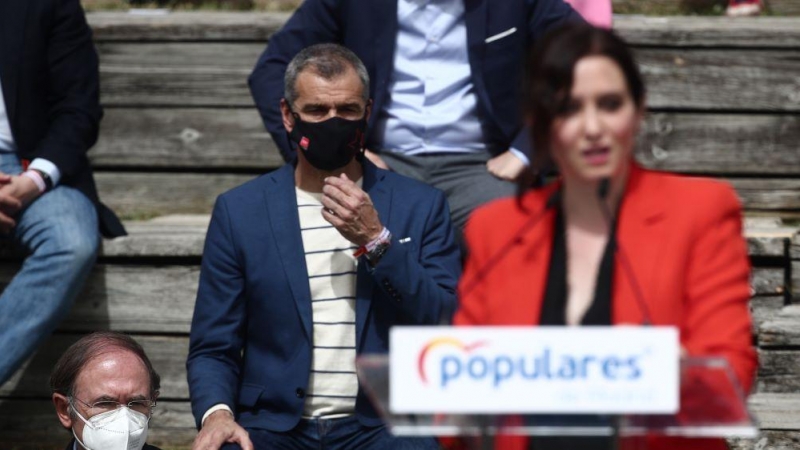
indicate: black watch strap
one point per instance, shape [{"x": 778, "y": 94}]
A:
[{"x": 48, "y": 182}]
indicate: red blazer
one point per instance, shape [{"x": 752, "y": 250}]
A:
[{"x": 683, "y": 237}]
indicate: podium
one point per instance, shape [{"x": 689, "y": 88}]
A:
[{"x": 711, "y": 405}]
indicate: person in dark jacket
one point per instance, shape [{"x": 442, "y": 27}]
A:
[{"x": 49, "y": 118}]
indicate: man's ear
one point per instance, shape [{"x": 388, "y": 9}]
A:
[
  {"x": 286, "y": 114},
  {"x": 61, "y": 402},
  {"x": 369, "y": 109}
]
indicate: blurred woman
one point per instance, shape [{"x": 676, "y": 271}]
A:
[{"x": 609, "y": 242}]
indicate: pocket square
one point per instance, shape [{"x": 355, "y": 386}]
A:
[{"x": 499, "y": 36}]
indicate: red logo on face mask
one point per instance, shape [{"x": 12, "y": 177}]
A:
[{"x": 304, "y": 143}]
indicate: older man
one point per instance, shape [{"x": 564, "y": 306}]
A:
[
  {"x": 308, "y": 266},
  {"x": 104, "y": 389}
]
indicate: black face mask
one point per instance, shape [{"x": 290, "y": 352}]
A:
[{"x": 330, "y": 144}]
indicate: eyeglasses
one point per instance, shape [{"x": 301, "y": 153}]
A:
[{"x": 140, "y": 406}]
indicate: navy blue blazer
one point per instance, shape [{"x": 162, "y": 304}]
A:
[
  {"x": 251, "y": 337},
  {"x": 51, "y": 86},
  {"x": 369, "y": 28}
]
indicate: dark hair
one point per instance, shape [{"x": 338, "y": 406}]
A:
[
  {"x": 326, "y": 60},
  {"x": 79, "y": 354},
  {"x": 549, "y": 77}
]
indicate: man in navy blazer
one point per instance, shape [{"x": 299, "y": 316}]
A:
[
  {"x": 308, "y": 266},
  {"x": 445, "y": 85},
  {"x": 49, "y": 118}
]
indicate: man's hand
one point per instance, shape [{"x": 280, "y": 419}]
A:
[
  {"x": 377, "y": 160},
  {"x": 9, "y": 205},
  {"x": 218, "y": 429},
  {"x": 22, "y": 188},
  {"x": 506, "y": 166},
  {"x": 348, "y": 208}
]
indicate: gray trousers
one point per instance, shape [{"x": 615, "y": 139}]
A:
[{"x": 462, "y": 176}]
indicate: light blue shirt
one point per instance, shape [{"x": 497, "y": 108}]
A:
[
  {"x": 7, "y": 144},
  {"x": 432, "y": 105}
]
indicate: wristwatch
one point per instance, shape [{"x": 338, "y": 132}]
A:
[
  {"x": 377, "y": 252},
  {"x": 48, "y": 182}
]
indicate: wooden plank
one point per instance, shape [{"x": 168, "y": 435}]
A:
[
  {"x": 776, "y": 411},
  {"x": 768, "y": 194},
  {"x": 796, "y": 281},
  {"x": 795, "y": 248},
  {"x": 32, "y": 425},
  {"x": 160, "y": 299},
  {"x": 183, "y": 236},
  {"x": 778, "y": 371},
  {"x": 184, "y": 138},
  {"x": 767, "y": 281},
  {"x": 783, "y": 330},
  {"x": 713, "y": 79},
  {"x": 768, "y": 243},
  {"x": 145, "y": 195},
  {"x": 764, "y": 309},
  {"x": 134, "y": 299},
  {"x": 167, "y": 353},
  {"x": 166, "y": 236},
  {"x": 768, "y": 440},
  {"x": 720, "y": 143},
  {"x": 708, "y": 31},
  {"x": 186, "y": 26},
  {"x": 236, "y": 138},
  {"x": 215, "y": 74},
  {"x": 177, "y": 74}
]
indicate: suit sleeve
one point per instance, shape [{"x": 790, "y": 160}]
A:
[
  {"x": 717, "y": 319},
  {"x": 73, "y": 90},
  {"x": 314, "y": 22},
  {"x": 424, "y": 289},
  {"x": 217, "y": 333}
]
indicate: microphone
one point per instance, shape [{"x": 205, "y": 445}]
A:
[
  {"x": 516, "y": 238},
  {"x": 602, "y": 193}
]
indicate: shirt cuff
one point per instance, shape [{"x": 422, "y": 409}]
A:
[
  {"x": 213, "y": 409},
  {"x": 522, "y": 156},
  {"x": 47, "y": 167}
]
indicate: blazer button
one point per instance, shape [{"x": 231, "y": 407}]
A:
[{"x": 300, "y": 393}]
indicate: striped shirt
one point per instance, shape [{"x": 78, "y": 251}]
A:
[{"x": 333, "y": 383}]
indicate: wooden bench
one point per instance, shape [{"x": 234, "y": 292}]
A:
[{"x": 180, "y": 128}]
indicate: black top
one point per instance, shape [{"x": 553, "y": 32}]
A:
[
  {"x": 554, "y": 312},
  {"x": 554, "y": 307}
]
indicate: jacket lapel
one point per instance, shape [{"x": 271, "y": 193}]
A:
[
  {"x": 381, "y": 197},
  {"x": 536, "y": 247},
  {"x": 476, "y": 17},
  {"x": 13, "y": 19},
  {"x": 641, "y": 221},
  {"x": 284, "y": 221}
]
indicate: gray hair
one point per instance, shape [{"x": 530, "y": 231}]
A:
[{"x": 326, "y": 60}]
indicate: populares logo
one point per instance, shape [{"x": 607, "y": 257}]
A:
[{"x": 454, "y": 360}]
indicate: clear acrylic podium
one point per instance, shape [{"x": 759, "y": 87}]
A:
[{"x": 712, "y": 404}]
